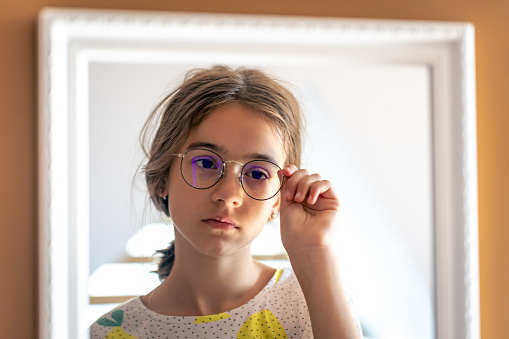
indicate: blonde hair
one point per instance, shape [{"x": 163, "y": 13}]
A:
[{"x": 202, "y": 92}]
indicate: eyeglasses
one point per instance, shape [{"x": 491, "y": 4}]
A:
[{"x": 203, "y": 168}]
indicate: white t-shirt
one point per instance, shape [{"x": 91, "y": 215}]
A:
[{"x": 278, "y": 311}]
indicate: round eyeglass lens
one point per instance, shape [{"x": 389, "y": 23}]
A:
[
  {"x": 201, "y": 168},
  {"x": 261, "y": 179}
]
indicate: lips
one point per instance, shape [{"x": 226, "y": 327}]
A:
[{"x": 221, "y": 223}]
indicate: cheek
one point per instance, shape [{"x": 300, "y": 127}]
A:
[
  {"x": 178, "y": 191},
  {"x": 261, "y": 213}
]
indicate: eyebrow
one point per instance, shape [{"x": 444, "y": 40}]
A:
[{"x": 222, "y": 150}]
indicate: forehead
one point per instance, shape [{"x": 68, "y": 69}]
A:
[{"x": 239, "y": 132}]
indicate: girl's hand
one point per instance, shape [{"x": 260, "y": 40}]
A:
[{"x": 309, "y": 207}]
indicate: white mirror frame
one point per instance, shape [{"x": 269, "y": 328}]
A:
[{"x": 70, "y": 39}]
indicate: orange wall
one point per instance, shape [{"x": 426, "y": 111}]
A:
[{"x": 18, "y": 145}]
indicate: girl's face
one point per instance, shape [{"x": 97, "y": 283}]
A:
[{"x": 223, "y": 220}]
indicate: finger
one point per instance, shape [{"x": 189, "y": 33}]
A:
[
  {"x": 290, "y": 185},
  {"x": 304, "y": 185},
  {"x": 316, "y": 189},
  {"x": 289, "y": 170}
]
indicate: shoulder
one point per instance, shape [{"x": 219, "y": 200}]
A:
[
  {"x": 286, "y": 292},
  {"x": 116, "y": 320},
  {"x": 284, "y": 276}
]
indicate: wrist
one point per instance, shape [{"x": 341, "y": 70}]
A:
[
  {"x": 310, "y": 259},
  {"x": 317, "y": 269}
]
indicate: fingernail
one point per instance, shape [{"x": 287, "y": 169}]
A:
[
  {"x": 288, "y": 195},
  {"x": 297, "y": 195}
]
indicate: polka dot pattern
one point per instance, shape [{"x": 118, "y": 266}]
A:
[{"x": 278, "y": 311}]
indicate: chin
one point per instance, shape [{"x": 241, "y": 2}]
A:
[{"x": 222, "y": 250}]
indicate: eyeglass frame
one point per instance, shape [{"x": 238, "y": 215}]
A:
[{"x": 181, "y": 156}]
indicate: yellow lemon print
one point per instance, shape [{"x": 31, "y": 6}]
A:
[
  {"x": 263, "y": 324},
  {"x": 117, "y": 332},
  {"x": 211, "y": 318}
]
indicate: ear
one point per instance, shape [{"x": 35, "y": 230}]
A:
[
  {"x": 163, "y": 191},
  {"x": 275, "y": 208}
]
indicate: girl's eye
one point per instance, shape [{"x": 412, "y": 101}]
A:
[
  {"x": 205, "y": 163},
  {"x": 257, "y": 174}
]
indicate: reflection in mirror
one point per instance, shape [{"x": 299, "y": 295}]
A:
[
  {"x": 385, "y": 183},
  {"x": 381, "y": 124}
]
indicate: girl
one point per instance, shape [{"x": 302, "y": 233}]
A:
[{"x": 224, "y": 161}]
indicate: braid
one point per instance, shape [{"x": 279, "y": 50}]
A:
[{"x": 166, "y": 263}]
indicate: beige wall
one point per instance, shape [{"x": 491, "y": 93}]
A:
[{"x": 18, "y": 119}]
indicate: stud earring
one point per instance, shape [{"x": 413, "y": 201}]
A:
[{"x": 273, "y": 215}]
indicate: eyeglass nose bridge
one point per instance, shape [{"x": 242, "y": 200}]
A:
[{"x": 224, "y": 171}]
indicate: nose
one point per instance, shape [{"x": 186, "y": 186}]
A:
[{"x": 229, "y": 188}]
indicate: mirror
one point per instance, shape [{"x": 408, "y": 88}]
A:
[{"x": 392, "y": 101}]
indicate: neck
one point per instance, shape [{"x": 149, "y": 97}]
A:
[{"x": 202, "y": 285}]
